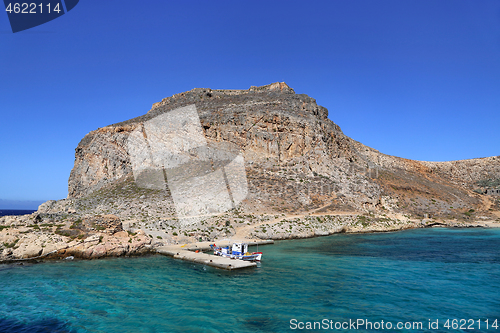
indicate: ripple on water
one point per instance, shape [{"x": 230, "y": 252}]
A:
[{"x": 412, "y": 275}]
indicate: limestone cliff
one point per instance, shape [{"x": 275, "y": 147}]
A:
[
  {"x": 287, "y": 139},
  {"x": 265, "y": 122}
]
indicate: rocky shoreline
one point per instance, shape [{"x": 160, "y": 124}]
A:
[
  {"x": 23, "y": 240},
  {"x": 263, "y": 163}
]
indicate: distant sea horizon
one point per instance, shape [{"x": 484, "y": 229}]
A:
[
  {"x": 6, "y": 212},
  {"x": 10, "y": 204}
]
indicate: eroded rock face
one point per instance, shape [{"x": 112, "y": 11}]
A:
[
  {"x": 116, "y": 245},
  {"x": 265, "y": 122},
  {"x": 100, "y": 158},
  {"x": 91, "y": 238},
  {"x": 292, "y": 152}
]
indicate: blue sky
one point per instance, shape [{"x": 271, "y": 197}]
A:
[{"x": 416, "y": 79}]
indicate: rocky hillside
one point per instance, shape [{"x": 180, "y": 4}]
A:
[
  {"x": 304, "y": 177},
  {"x": 294, "y": 152}
]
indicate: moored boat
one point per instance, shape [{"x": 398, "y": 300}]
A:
[{"x": 237, "y": 251}]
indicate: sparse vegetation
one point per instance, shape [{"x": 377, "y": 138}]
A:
[
  {"x": 489, "y": 183},
  {"x": 11, "y": 245}
]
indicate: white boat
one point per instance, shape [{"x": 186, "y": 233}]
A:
[{"x": 237, "y": 251}]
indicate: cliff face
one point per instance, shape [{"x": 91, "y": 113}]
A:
[
  {"x": 265, "y": 122},
  {"x": 296, "y": 159}
]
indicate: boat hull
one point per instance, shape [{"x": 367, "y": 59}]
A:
[
  {"x": 255, "y": 256},
  {"x": 238, "y": 251}
]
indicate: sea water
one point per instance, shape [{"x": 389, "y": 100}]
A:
[
  {"x": 427, "y": 276},
  {"x": 4, "y": 212}
]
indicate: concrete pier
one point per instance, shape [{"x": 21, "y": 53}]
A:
[{"x": 186, "y": 252}]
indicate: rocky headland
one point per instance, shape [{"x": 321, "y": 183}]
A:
[{"x": 304, "y": 178}]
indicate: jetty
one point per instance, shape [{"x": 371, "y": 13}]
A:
[{"x": 194, "y": 253}]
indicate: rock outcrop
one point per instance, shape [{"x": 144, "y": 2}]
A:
[
  {"x": 288, "y": 136},
  {"x": 91, "y": 238},
  {"x": 265, "y": 122}
]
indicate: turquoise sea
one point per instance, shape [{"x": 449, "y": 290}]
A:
[{"x": 403, "y": 277}]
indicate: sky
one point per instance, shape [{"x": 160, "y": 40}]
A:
[{"x": 416, "y": 79}]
